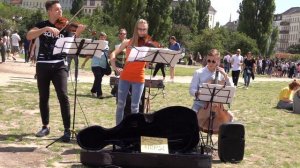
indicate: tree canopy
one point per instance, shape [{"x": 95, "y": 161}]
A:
[{"x": 255, "y": 20}]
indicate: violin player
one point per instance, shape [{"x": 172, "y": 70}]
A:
[
  {"x": 133, "y": 73},
  {"x": 52, "y": 68},
  {"x": 206, "y": 75}
]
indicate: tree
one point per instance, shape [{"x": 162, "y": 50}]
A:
[
  {"x": 131, "y": 12},
  {"x": 185, "y": 14},
  {"x": 294, "y": 49},
  {"x": 111, "y": 9},
  {"x": 255, "y": 20},
  {"x": 76, "y": 6},
  {"x": 159, "y": 18},
  {"x": 223, "y": 40},
  {"x": 202, "y": 7},
  {"x": 183, "y": 35},
  {"x": 272, "y": 42}
]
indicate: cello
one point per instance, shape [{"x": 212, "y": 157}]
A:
[{"x": 212, "y": 115}]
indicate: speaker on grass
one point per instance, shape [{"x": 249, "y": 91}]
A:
[{"x": 231, "y": 143}]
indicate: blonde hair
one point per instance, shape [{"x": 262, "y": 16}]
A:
[
  {"x": 214, "y": 52},
  {"x": 135, "y": 37}
]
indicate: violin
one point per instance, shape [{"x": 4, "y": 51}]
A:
[
  {"x": 63, "y": 23},
  {"x": 149, "y": 42}
]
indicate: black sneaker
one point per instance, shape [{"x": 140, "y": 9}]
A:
[
  {"x": 67, "y": 136},
  {"x": 43, "y": 132}
]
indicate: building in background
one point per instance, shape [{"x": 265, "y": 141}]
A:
[
  {"x": 288, "y": 24},
  {"x": 211, "y": 17},
  {"x": 91, "y": 5}
]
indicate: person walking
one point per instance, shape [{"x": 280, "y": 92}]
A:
[
  {"x": 15, "y": 40},
  {"x": 248, "y": 72},
  {"x": 174, "y": 45},
  {"x": 98, "y": 65},
  {"x": 236, "y": 62}
]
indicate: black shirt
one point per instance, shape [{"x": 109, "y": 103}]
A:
[
  {"x": 47, "y": 42},
  {"x": 249, "y": 63}
]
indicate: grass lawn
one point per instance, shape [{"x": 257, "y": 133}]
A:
[{"x": 272, "y": 135}]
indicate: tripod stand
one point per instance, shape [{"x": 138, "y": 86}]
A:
[
  {"x": 213, "y": 115},
  {"x": 154, "y": 55},
  {"x": 74, "y": 47}
]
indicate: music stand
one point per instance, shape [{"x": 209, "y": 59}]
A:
[
  {"x": 154, "y": 55},
  {"x": 214, "y": 93},
  {"x": 71, "y": 46}
]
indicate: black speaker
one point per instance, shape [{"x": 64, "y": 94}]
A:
[{"x": 231, "y": 143}]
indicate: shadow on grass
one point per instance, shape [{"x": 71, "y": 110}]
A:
[
  {"x": 285, "y": 110},
  {"x": 17, "y": 149},
  {"x": 89, "y": 96},
  {"x": 71, "y": 152},
  {"x": 15, "y": 137}
]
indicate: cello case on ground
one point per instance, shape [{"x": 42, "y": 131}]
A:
[{"x": 178, "y": 124}]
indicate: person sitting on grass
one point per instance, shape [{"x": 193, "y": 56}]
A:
[{"x": 286, "y": 95}]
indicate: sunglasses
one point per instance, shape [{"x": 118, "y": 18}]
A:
[
  {"x": 122, "y": 33},
  {"x": 211, "y": 61}
]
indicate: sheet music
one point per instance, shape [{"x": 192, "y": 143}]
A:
[
  {"x": 147, "y": 54},
  {"x": 222, "y": 94},
  {"x": 69, "y": 46}
]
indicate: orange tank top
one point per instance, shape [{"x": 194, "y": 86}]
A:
[{"x": 133, "y": 71}]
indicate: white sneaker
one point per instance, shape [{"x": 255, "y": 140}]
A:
[{"x": 94, "y": 94}]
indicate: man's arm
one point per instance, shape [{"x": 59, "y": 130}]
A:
[{"x": 36, "y": 32}]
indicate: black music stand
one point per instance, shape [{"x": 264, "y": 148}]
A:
[
  {"x": 213, "y": 93},
  {"x": 154, "y": 55},
  {"x": 74, "y": 47}
]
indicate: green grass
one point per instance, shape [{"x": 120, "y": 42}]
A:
[{"x": 272, "y": 135}]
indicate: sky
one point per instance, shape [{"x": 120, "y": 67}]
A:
[{"x": 226, "y": 7}]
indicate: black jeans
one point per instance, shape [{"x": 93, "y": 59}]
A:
[
  {"x": 157, "y": 67},
  {"x": 57, "y": 73},
  {"x": 98, "y": 74},
  {"x": 235, "y": 76},
  {"x": 3, "y": 52}
]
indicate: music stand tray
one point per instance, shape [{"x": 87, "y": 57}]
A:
[
  {"x": 71, "y": 46},
  {"x": 223, "y": 94},
  {"x": 155, "y": 55}
]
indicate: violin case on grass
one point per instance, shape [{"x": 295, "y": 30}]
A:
[{"x": 177, "y": 124}]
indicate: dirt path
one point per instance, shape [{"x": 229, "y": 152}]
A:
[{"x": 19, "y": 71}]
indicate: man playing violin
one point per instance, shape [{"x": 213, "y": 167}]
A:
[
  {"x": 206, "y": 75},
  {"x": 52, "y": 67},
  {"x": 133, "y": 73}
]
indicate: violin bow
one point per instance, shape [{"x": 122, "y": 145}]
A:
[{"x": 72, "y": 18}]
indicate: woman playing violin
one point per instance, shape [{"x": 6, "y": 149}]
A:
[
  {"x": 133, "y": 73},
  {"x": 207, "y": 74},
  {"x": 52, "y": 68}
]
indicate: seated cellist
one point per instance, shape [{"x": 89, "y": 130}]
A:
[{"x": 206, "y": 75}]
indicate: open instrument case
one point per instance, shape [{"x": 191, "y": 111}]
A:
[{"x": 177, "y": 124}]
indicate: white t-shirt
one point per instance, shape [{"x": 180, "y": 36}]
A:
[
  {"x": 236, "y": 60},
  {"x": 15, "y": 38}
]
